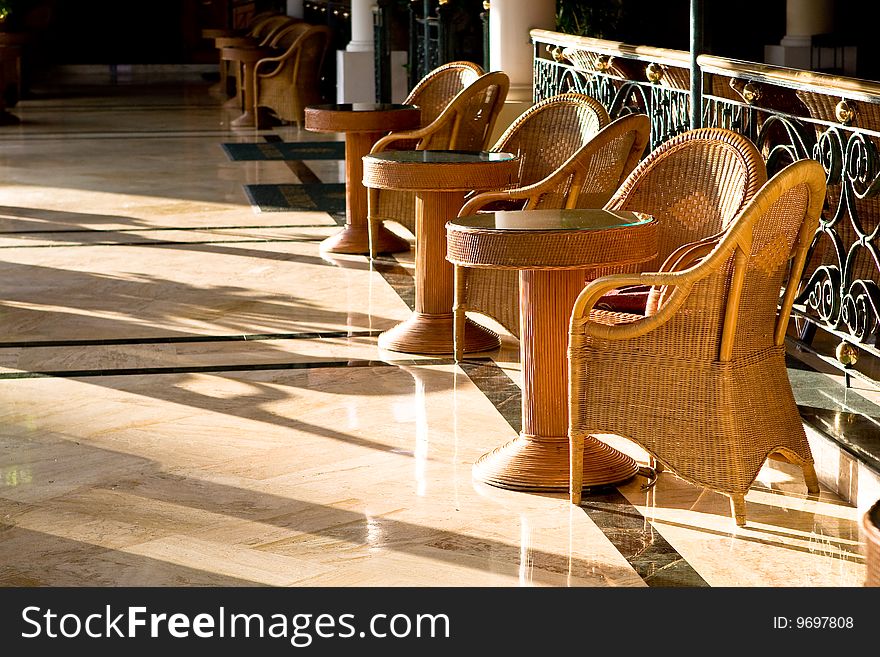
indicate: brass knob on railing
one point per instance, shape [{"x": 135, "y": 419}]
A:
[
  {"x": 557, "y": 54},
  {"x": 603, "y": 62},
  {"x": 844, "y": 112},
  {"x": 847, "y": 355},
  {"x": 486, "y": 5},
  {"x": 654, "y": 72},
  {"x": 751, "y": 93}
]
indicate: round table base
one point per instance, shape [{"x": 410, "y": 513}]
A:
[
  {"x": 246, "y": 120},
  {"x": 355, "y": 240},
  {"x": 433, "y": 334},
  {"x": 530, "y": 464}
]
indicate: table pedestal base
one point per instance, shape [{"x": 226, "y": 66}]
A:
[
  {"x": 246, "y": 120},
  {"x": 433, "y": 334},
  {"x": 531, "y": 463},
  {"x": 355, "y": 239}
]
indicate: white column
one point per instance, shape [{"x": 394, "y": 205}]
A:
[
  {"x": 510, "y": 46},
  {"x": 295, "y": 8},
  {"x": 355, "y": 79},
  {"x": 362, "y": 38},
  {"x": 511, "y": 49},
  {"x": 803, "y": 19}
]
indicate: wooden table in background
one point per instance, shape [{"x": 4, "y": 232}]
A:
[
  {"x": 246, "y": 58},
  {"x": 363, "y": 124},
  {"x": 440, "y": 180}
]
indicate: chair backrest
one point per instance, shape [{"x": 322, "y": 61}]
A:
[
  {"x": 600, "y": 166},
  {"x": 762, "y": 251},
  {"x": 311, "y": 49},
  {"x": 466, "y": 123},
  {"x": 266, "y": 31},
  {"x": 434, "y": 91},
  {"x": 693, "y": 185},
  {"x": 549, "y": 132},
  {"x": 284, "y": 38}
]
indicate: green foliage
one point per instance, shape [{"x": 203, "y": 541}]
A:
[{"x": 596, "y": 18}]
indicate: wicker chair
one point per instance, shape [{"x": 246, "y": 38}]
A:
[
  {"x": 230, "y": 36},
  {"x": 871, "y": 530},
  {"x": 693, "y": 184},
  {"x": 572, "y": 158},
  {"x": 702, "y": 384},
  {"x": 459, "y": 110},
  {"x": 262, "y": 34},
  {"x": 285, "y": 84}
]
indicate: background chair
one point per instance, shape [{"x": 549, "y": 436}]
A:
[
  {"x": 571, "y": 158},
  {"x": 287, "y": 83},
  {"x": 693, "y": 185},
  {"x": 262, "y": 34},
  {"x": 702, "y": 384},
  {"x": 464, "y": 122}
]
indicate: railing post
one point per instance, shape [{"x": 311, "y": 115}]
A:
[
  {"x": 382, "y": 52},
  {"x": 484, "y": 18},
  {"x": 696, "y": 73}
]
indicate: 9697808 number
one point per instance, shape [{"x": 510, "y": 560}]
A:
[
  {"x": 818, "y": 622},
  {"x": 813, "y": 622}
]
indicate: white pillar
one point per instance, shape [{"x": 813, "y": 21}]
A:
[
  {"x": 362, "y": 38},
  {"x": 355, "y": 66},
  {"x": 510, "y": 46},
  {"x": 295, "y": 8},
  {"x": 511, "y": 49},
  {"x": 803, "y": 20}
]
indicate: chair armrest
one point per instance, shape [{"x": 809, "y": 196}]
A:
[
  {"x": 384, "y": 143},
  {"x": 278, "y": 60},
  {"x": 387, "y": 142},
  {"x": 580, "y": 323},
  {"x": 599, "y": 287}
]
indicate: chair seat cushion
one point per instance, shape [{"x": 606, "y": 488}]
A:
[{"x": 631, "y": 299}]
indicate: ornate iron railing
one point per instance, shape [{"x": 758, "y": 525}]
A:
[{"x": 790, "y": 115}]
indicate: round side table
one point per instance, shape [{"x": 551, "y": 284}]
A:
[
  {"x": 247, "y": 58},
  {"x": 215, "y": 34},
  {"x": 440, "y": 180},
  {"x": 551, "y": 249},
  {"x": 363, "y": 124}
]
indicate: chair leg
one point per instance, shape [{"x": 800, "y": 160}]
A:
[
  {"x": 458, "y": 314},
  {"x": 811, "y": 479},
  {"x": 372, "y": 221},
  {"x": 576, "y": 467},
  {"x": 738, "y": 508}
]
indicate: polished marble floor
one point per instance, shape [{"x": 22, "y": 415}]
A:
[{"x": 191, "y": 393}]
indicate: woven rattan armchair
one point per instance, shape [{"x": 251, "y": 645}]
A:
[
  {"x": 572, "y": 158},
  {"x": 286, "y": 83},
  {"x": 693, "y": 185},
  {"x": 701, "y": 384},
  {"x": 463, "y": 121},
  {"x": 262, "y": 34}
]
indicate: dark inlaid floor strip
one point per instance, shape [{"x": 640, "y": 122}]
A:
[
  {"x": 186, "y": 229},
  {"x": 651, "y": 555},
  {"x": 299, "y": 168},
  {"x": 208, "y": 369},
  {"x": 398, "y": 277},
  {"x": 67, "y": 245},
  {"x": 183, "y": 339}
]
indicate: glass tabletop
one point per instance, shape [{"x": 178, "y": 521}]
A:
[
  {"x": 363, "y": 107},
  {"x": 442, "y": 157},
  {"x": 577, "y": 219}
]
